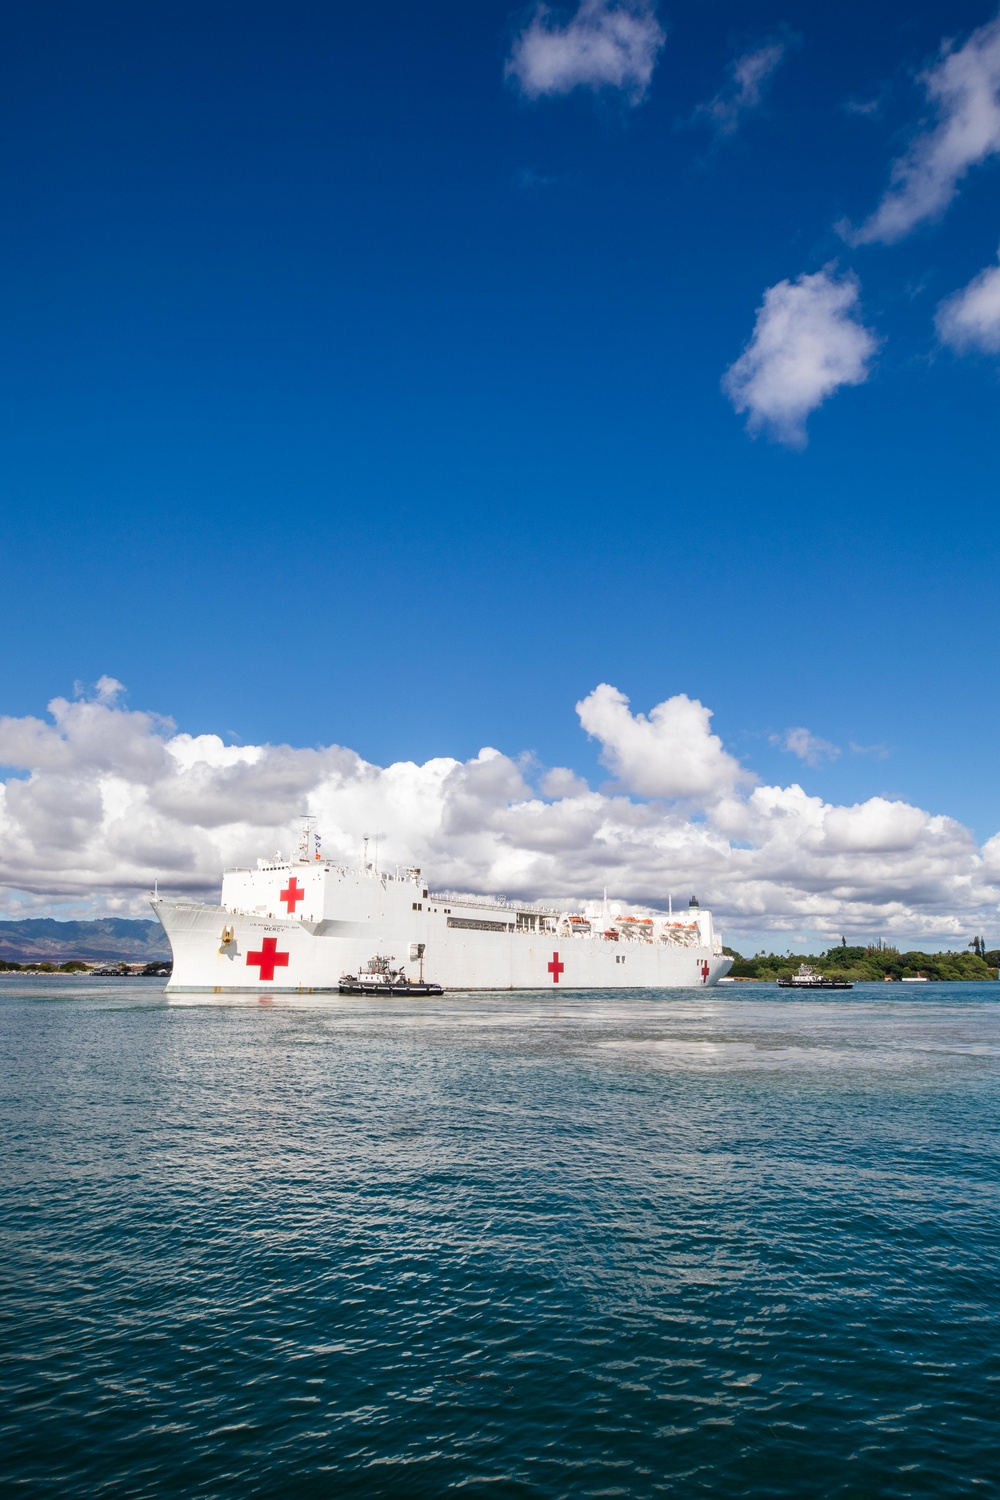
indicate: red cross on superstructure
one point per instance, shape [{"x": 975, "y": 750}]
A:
[
  {"x": 268, "y": 958},
  {"x": 705, "y": 971},
  {"x": 555, "y": 968},
  {"x": 292, "y": 893}
]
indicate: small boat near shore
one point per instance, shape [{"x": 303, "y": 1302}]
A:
[{"x": 807, "y": 978}]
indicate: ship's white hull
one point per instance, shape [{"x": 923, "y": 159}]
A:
[{"x": 218, "y": 950}]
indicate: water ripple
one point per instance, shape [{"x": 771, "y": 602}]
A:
[{"x": 508, "y": 1246}]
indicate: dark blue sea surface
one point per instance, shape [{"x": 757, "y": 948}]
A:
[{"x": 713, "y": 1242}]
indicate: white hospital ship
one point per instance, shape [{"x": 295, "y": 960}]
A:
[{"x": 304, "y": 924}]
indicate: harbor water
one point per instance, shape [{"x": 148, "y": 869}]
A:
[{"x": 736, "y": 1242}]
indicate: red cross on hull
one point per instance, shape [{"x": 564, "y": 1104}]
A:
[
  {"x": 268, "y": 958},
  {"x": 292, "y": 894},
  {"x": 555, "y": 968},
  {"x": 705, "y": 971}
]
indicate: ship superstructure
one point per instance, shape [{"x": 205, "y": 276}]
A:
[{"x": 302, "y": 924}]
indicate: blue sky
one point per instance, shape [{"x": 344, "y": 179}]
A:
[{"x": 356, "y": 389}]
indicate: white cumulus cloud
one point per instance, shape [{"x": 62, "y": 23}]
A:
[
  {"x": 964, "y": 89},
  {"x": 99, "y": 800},
  {"x": 749, "y": 75},
  {"x": 807, "y": 342},
  {"x": 606, "y": 44},
  {"x": 970, "y": 319},
  {"x": 672, "y": 753}
]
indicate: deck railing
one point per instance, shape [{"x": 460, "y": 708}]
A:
[{"x": 493, "y": 903}]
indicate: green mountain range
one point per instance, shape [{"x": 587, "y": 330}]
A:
[{"x": 36, "y": 939}]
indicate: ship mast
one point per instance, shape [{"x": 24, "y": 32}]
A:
[{"x": 308, "y": 841}]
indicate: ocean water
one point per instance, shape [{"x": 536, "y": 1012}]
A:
[{"x": 702, "y": 1243}]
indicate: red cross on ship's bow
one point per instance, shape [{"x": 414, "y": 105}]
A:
[
  {"x": 268, "y": 958},
  {"x": 555, "y": 968}
]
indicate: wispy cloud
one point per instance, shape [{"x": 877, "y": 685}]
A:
[
  {"x": 807, "y": 746},
  {"x": 970, "y": 319},
  {"x": 877, "y": 752},
  {"x": 748, "y": 78},
  {"x": 868, "y": 109},
  {"x": 531, "y": 180},
  {"x": 607, "y": 44},
  {"x": 807, "y": 343},
  {"x": 964, "y": 88}
]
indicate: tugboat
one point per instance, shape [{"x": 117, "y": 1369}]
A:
[
  {"x": 807, "y": 978},
  {"x": 377, "y": 978}
]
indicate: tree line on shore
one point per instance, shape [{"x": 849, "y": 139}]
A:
[
  {"x": 874, "y": 962},
  {"x": 73, "y": 966}
]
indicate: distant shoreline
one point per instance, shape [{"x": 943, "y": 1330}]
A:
[{"x": 875, "y": 963}]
